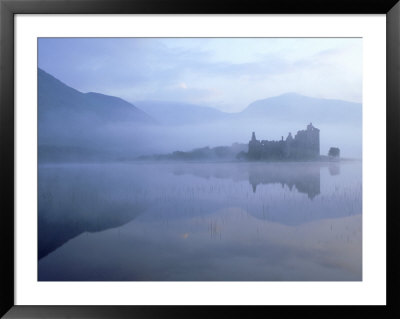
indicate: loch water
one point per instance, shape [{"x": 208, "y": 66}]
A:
[{"x": 174, "y": 221}]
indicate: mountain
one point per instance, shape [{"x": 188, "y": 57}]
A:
[
  {"x": 295, "y": 107},
  {"x": 55, "y": 96},
  {"x": 288, "y": 107},
  {"x": 76, "y": 126},
  {"x": 176, "y": 113}
]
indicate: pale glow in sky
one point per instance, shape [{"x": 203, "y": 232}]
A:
[{"x": 225, "y": 73}]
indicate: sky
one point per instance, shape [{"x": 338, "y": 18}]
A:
[{"x": 224, "y": 73}]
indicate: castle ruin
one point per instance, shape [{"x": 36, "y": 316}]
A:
[{"x": 304, "y": 146}]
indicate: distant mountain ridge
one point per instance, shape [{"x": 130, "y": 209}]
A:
[
  {"x": 54, "y": 95},
  {"x": 285, "y": 107},
  {"x": 305, "y": 109},
  {"x": 177, "y": 113}
]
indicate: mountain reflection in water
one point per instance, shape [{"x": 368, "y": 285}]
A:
[{"x": 270, "y": 206}]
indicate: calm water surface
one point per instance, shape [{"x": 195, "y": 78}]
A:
[{"x": 200, "y": 222}]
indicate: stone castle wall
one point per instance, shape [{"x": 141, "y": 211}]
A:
[{"x": 305, "y": 145}]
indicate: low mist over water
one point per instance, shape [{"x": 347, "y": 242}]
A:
[{"x": 200, "y": 221}]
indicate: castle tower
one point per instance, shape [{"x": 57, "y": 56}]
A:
[
  {"x": 254, "y": 147},
  {"x": 288, "y": 146},
  {"x": 313, "y": 140}
]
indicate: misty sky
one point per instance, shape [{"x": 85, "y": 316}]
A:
[{"x": 225, "y": 73}]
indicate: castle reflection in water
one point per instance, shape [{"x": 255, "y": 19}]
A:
[{"x": 306, "y": 180}]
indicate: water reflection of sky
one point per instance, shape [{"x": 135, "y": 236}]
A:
[{"x": 200, "y": 222}]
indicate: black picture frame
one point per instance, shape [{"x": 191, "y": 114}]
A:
[{"x": 9, "y": 8}]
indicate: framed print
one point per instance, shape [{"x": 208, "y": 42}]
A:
[{"x": 161, "y": 158}]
